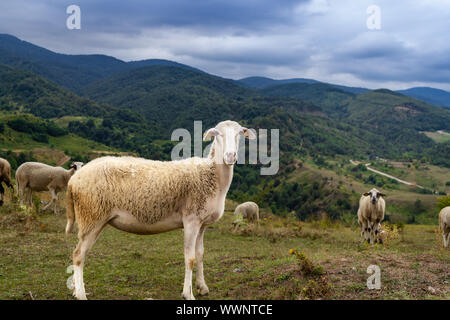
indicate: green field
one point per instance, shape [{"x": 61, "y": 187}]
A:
[
  {"x": 438, "y": 137},
  {"x": 246, "y": 262}
]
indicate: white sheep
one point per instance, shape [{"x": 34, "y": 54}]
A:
[
  {"x": 5, "y": 176},
  {"x": 148, "y": 197},
  {"x": 36, "y": 176},
  {"x": 370, "y": 214},
  {"x": 249, "y": 210},
  {"x": 444, "y": 224}
]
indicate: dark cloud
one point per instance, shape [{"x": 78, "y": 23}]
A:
[{"x": 322, "y": 39}]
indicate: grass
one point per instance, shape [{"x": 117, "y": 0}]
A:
[
  {"x": 64, "y": 121},
  {"x": 256, "y": 264},
  {"x": 437, "y": 136},
  {"x": 429, "y": 176}
]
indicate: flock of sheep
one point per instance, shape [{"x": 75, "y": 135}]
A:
[{"x": 148, "y": 197}]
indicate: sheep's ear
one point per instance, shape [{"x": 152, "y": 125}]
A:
[
  {"x": 248, "y": 133},
  {"x": 72, "y": 166},
  {"x": 381, "y": 195},
  {"x": 210, "y": 133},
  {"x": 366, "y": 194}
]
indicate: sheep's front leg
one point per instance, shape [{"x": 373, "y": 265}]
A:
[
  {"x": 55, "y": 200},
  {"x": 199, "y": 250},
  {"x": 363, "y": 231},
  {"x": 372, "y": 233},
  {"x": 52, "y": 201},
  {"x": 191, "y": 231}
]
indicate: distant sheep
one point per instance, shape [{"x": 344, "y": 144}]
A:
[
  {"x": 5, "y": 176},
  {"x": 36, "y": 176},
  {"x": 370, "y": 214},
  {"x": 249, "y": 211},
  {"x": 444, "y": 224},
  {"x": 148, "y": 197}
]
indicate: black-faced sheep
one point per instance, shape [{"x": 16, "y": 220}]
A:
[
  {"x": 370, "y": 214},
  {"x": 148, "y": 197}
]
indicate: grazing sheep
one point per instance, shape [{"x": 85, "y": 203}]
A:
[
  {"x": 249, "y": 210},
  {"x": 148, "y": 197},
  {"x": 36, "y": 176},
  {"x": 5, "y": 176},
  {"x": 444, "y": 224},
  {"x": 370, "y": 214}
]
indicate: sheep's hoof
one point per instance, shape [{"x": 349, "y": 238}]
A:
[
  {"x": 80, "y": 296},
  {"x": 187, "y": 296},
  {"x": 1, "y": 203},
  {"x": 202, "y": 290}
]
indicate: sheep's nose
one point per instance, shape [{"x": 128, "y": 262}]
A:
[{"x": 230, "y": 157}]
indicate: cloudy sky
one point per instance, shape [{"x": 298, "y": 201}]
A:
[{"x": 327, "y": 40}]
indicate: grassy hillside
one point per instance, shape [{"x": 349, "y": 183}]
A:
[
  {"x": 438, "y": 136},
  {"x": 28, "y": 138},
  {"x": 384, "y": 107},
  {"x": 246, "y": 262}
]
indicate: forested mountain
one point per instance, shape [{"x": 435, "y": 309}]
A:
[
  {"x": 27, "y": 92},
  {"x": 372, "y": 108},
  {"x": 188, "y": 94},
  {"x": 263, "y": 82},
  {"x": 330, "y": 98},
  {"x": 431, "y": 95},
  {"x": 70, "y": 71}
]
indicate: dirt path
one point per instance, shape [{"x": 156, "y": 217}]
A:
[
  {"x": 63, "y": 160},
  {"x": 386, "y": 175}
]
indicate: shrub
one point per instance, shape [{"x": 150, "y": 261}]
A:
[
  {"x": 443, "y": 202},
  {"x": 307, "y": 267},
  {"x": 317, "y": 289},
  {"x": 40, "y": 137}
]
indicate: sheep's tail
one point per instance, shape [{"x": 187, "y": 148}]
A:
[{"x": 70, "y": 212}]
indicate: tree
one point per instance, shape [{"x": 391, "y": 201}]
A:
[
  {"x": 418, "y": 207},
  {"x": 443, "y": 202}
]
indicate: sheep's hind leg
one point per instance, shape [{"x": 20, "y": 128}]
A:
[
  {"x": 202, "y": 288},
  {"x": 29, "y": 197},
  {"x": 21, "y": 194},
  {"x": 86, "y": 241},
  {"x": 191, "y": 231}
]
